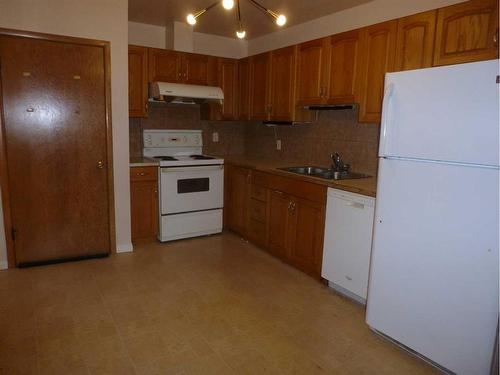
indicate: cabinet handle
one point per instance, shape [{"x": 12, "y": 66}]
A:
[
  {"x": 141, "y": 174},
  {"x": 495, "y": 37},
  {"x": 278, "y": 192}
]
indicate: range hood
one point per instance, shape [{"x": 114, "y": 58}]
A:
[{"x": 184, "y": 94}]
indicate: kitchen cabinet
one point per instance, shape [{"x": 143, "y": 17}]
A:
[
  {"x": 144, "y": 202},
  {"x": 377, "y": 47},
  {"x": 236, "y": 198},
  {"x": 244, "y": 89},
  {"x": 258, "y": 217},
  {"x": 228, "y": 81},
  {"x": 467, "y": 32},
  {"x": 312, "y": 70},
  {"x": 282, "y": 84},
  {"x": 260, "y": 70},
  {"x": 137, "y": 81},
  {"x": 415, "y": 41},
  {"x": 279, "y": 223},
  {"x": 344, "y": 53},
  {"x": 180, "y": 67}
]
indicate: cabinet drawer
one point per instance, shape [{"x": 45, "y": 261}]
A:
[
  {"x": 259, "y": 193},
  {"x": 257, "y": 232},
  {"x": 258, "y": 210},
  {"x": 143, "y": 174}
]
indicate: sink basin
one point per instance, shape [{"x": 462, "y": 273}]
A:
[{"x": 324, "y": 173}]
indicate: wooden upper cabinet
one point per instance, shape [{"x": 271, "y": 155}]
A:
[
  {"x": 244, "y": 89},
  {"x": 164, "y": 65},
  {"x": 344, "y": 52},
  {"x": 198, "y": 69},
  {"x": 283, "y": 84},
  {"x": 312, "y": 66},
  {"x": 260, "y": 69},
  {"x": 378, "y": 47},
  {"x": 228, "y": 81},
  {"x": 137, "y": 81},
  {"x": 415, "y": 41},
  {"x": 467, "y": 32}
]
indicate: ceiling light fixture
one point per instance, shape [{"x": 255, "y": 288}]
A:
[{"x": 280, "y": 19}]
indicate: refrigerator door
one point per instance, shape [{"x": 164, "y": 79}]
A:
[
  {"x": 447, "y": 113},
  {"x": 434, "y": 270}
]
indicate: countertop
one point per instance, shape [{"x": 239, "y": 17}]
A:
[
  {"x": 143, "y": 162},
  {"x": 365, "y": 186}
]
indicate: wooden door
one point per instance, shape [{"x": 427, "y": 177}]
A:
[
  {"x": 467, "y": 32},
  {"x": 244, "y": 89},
  {"x": 137, "y": 81},
  {"x": 279, "y": 207},
  {"x": 198, "y": 69},
  {"x": 312, "y": 69},
  {"x": 144, "y": 202},
  {"x": 415, "y": 41},
  {"x": 259, "y": 86},
  {"x": 283, "y": 84},
  {"x": 237, "y": 190},
  {"x": 228, "y": 81},
  {"x": 164, "y": 65},
  {"x": 344, "y": 53},
  {"x": 306, "y": 230},
  {"x": 378, "y": 47},
  {"x": 55, "y": 111}
]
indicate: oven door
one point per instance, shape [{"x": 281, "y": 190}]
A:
[{"x": 191, "y": 188}]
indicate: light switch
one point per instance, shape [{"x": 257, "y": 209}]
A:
[{"x": 278, "y": 144}]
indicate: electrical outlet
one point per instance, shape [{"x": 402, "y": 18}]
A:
[
  {"x": 215, "y": 137},
  {"x": 278, "y": 144}
]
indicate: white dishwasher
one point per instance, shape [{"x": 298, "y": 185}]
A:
[{"x": 347, "y": 243}]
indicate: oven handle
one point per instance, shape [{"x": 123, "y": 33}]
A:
[{"x": 191, "y": 169}]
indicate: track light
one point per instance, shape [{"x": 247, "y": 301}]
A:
[{"x": 228, "y": 4}]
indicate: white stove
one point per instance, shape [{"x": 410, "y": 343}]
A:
[{"x": 191, "y": 185}]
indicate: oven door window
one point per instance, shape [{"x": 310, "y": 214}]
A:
[{"x": 193, "y": 185}]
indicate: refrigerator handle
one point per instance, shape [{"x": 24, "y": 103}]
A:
[{"x": 386, "y": 120}]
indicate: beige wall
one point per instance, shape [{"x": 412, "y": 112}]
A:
[
  {"x": 142, "y": 34},
  {"x": 94, "y": 19},
  {"x": 363, "y": 15}
]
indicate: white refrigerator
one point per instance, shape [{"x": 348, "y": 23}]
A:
[{"x": 433, "y": 284}]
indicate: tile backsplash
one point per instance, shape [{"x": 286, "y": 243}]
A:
[{"x": 334, "y": 131}]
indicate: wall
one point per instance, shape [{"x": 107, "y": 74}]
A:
[
  {"x": 94, "y": 19},
  {"x": 220, "y": 46},
  {"x": 334, "y": 131},
  {"x": 363, "y": 15},
  {"x": 142, "y": 34}
]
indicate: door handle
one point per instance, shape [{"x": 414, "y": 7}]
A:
[
  {"x": 100, "y": 164},
  {"x": 386, "y": 120}
]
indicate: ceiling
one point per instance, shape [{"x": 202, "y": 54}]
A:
[{"x": 222, "y": 22}]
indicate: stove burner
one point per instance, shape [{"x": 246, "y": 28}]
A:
[
  {"x": 166, "y": 158},
  {"x": 201, "y": 157}
]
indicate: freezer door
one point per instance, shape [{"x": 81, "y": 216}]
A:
[
  {"x": 434, "y": 269},
  {"x": 447, "y": 113}
]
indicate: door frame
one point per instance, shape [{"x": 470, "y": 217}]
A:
[{"x": 4, "y": 180}]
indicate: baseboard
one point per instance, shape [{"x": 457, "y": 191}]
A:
[
  {"x": 124, "y": 248},
  {"x": 4, "y": 265}
]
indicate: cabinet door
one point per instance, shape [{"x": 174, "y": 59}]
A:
[
  {"x": 244, "y": 89},
  {"x": 378, "y": 47},
  {"x": 279, "y": 206},
  {"x": 415, "y": 41},
  {"x": 259, "y": 86},
  {"x": 467, "y": 32},
  {"x": 228, "y": 77},
  {"x": 237, "y": 190},
  {"x": 164, "y": 65},
  {"x": 137, "y": 81},
  {"x": 198, "y": 69},
  {"x": 306, "y": 229},
  {"x": 144, "y": 209},
  {"x": 312, "y": 61},
  {"x": 283, "y": 84},
  {"x": 343, "y": 61}
]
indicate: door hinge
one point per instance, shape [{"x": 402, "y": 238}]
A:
[{"x": 13, "y": 234}]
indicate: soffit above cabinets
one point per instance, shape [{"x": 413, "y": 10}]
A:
[{"x": 219, "y": 22}]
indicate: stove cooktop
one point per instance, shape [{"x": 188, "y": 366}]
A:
[{"x": 194, "y": 157}]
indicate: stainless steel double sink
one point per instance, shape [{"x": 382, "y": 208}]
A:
[{"x": 325, "y": 173}]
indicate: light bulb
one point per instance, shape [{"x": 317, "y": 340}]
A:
[
  {"x": 280, "y": 20},
  {"x": 228, "y": 4},
  {"x": 241, "y": 34},
  {"x": 191, "y": 19}
]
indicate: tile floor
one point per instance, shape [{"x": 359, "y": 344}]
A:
[{"x": 212, "y": 305}]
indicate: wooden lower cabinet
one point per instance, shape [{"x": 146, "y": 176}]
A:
[
  {"x": 144, "y": 202},
  {"x": 283, "y": 215}
]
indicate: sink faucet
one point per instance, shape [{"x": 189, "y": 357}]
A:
[{"x": 337, "y": 163}]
